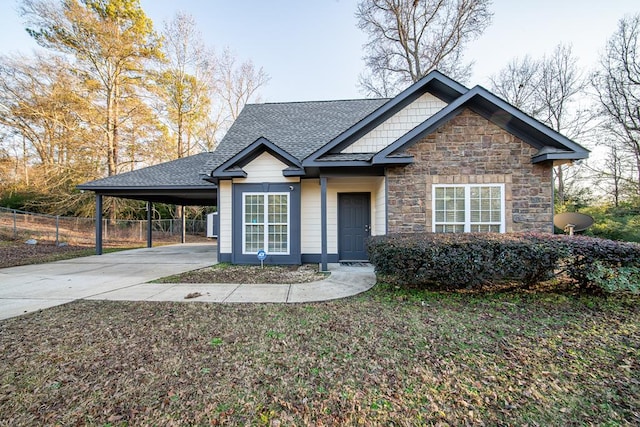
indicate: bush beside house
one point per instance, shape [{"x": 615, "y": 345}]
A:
[{"x": 472, "y": 260}]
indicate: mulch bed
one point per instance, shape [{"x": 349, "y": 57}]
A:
[{"x": 249, "y": 274}]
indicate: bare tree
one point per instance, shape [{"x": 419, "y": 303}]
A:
[
  {"x": 238, "y": 84},
  {"x": 409, "y": 38},
  {"x": 517, "y": 83},
  {"x": 612, "y": 177},
  {"x": 617, "y": 84},
  {"x": 549, "y": 89},
  {"x": 561, "y": 85}
]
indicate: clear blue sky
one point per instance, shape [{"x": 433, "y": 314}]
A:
[{"x": 312, "y": 49}]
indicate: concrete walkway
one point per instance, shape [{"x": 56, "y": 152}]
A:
[{"x": 123, "y": 276}]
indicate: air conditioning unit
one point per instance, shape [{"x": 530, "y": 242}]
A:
[{"x": 212, "y": 224}]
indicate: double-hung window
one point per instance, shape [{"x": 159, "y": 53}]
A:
[
  {"x": 266, "y": 223},
  {"x": 463, "y": 208}
]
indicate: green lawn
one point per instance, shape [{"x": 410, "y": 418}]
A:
[{"x": 383, "y": 358}]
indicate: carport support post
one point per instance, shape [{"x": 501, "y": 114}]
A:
[
  {"x": 183, "y": 226},
  {"x": 98, "y": 224},
  {"x": 323, "y": 223},
  {"x": 149, "y": 225}
]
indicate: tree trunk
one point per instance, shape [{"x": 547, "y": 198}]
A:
[
  {"x": 560, "y": 191},
  {"x": 25, "y": 160},
  {"x": 111, "y": 166},
  {"x": 180, "y": 147},
  {"x": 116, "y": 114}
]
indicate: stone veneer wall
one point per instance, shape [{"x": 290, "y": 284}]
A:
[{"x": 470, "y": 149}]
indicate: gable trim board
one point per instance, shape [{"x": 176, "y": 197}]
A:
[
  {"x": 499, "y": 112},
  {"x": 233, "y": 168},
  {"x": 477, "y": 99},
  {"x": 435, "y": 82}
]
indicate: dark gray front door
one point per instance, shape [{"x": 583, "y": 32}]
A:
[{"x": 353, "y": 225}]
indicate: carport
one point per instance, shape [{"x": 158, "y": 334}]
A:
[{"x": 178, "y": 182}]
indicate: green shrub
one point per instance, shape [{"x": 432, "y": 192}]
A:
[
  {"x": 473, "y": 259},
  {"x": 593, "y": 260},
  {"x": 614, "y": 279},
  {"x": 464, "y": 260},
  {"x": 18, "y": 199},
  {"x": 621, "y": 223}
]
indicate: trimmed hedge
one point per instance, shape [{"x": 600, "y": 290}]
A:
[
  {"x": 473, "y": 259},
  {"x": 602, "y": 263}
]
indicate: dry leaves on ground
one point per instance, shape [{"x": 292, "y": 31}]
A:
[
  {"x": 376, "y": 359},
  {"x": 14, "y": 253},
  {"x": 249, "y": 274}
]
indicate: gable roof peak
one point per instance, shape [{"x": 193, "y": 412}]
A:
[
  {"x": 233, "y": 166},
  {"x": 435, "y": 83}
]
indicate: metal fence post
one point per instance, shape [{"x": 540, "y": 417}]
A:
[
  {"x": 15, "y": 225},
  {"x": 57, "y": 230}
]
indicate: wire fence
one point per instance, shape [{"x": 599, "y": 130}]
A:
[{"x": 16, "y": 224}]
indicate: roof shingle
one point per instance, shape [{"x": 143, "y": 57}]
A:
[
  {"x": 180, "y": 173},
  {"x": 299, "y": 128}
]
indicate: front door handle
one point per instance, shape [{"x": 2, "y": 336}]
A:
[{"x": 367, "y": 228}]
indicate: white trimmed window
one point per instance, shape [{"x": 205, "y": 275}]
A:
[
  {"x": 463, "y": 208},
  {"x": 265, "y": 223}
]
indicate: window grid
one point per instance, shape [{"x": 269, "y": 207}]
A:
[
  {"x": 461, "y": 208},
  {"x": 266, "y": 223}
]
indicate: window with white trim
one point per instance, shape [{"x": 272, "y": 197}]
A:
[
  {"x": 463, "y": 208},
  {"x": 265, "y": 223}
]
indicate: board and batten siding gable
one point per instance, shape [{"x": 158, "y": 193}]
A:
[
  {"x": 397, "y": 125},
  {"x": 264, "y": 168},
  {"x": 225, "y": 238}
]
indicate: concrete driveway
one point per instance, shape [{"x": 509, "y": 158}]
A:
[
  {"x": 124, "y": 276},
  {"x": 35, "y": 287}
]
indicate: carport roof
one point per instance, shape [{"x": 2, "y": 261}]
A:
[{"x": 177, "y": 182}]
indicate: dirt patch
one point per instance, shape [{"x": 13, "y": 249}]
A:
[
  {"x": 249, "y": 274},
  {"x": 14, "y": 253}
]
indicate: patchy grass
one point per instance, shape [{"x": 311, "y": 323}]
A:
[
  {"x": 387, "y": 357},
  {"x": 15, "y": 253},
  {"x": 249, "y": 274}
]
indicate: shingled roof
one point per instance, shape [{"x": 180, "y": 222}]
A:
[
  {"x": 178, "y": 181},
  {"x": 180, "y": 173},
  {"x": 299, "y": 128}
]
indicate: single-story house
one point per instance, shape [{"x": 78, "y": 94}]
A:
[{"x": 310, "y": 181}]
